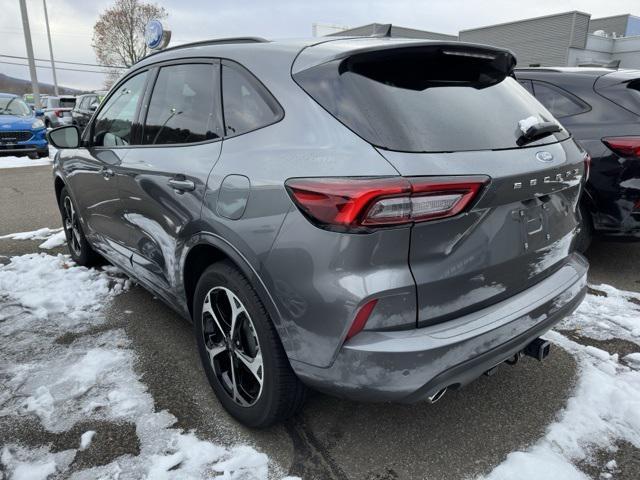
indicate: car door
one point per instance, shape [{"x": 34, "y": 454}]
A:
[
  {"x": 163, "y": 180},
  {"x": 93, "y": 172}
]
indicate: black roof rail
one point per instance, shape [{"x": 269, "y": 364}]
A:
[{"x": 213, "y": 41}]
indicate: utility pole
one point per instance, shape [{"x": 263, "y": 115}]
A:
[
  {"x": 53, "y": 64},
  {"x": 32, "y": 63}
]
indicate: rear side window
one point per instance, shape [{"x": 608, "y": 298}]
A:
[
  {"x": 426, "y": 99},
  {"x": 184, "y": 106},
  {"x": 559, "y": 102},
  {"x": 114, "y": 122},
  {"x": 247, "y": 103},
  {"x": 626, "y": 94}
]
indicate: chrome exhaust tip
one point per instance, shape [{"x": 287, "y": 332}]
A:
[{"x": 437, "y": 396}]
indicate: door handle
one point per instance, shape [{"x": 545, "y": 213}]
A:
[
  {"x": 182, "y": 185},
  {"x": 107, "y": 173}
]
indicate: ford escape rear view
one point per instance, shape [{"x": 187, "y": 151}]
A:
[{"x": 379, "y": 219}]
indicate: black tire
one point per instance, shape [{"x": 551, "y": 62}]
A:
[
  {"x": 281, "y": 394},
  {"x": 33, "y": 155},
  {"x": 584, "y": 237},
  {"x": 47, "y": 123},
  {"x": 43, "y": 153},
  {"x": 79, "y": 248}
]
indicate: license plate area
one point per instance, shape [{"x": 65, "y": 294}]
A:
[{"x": 534, "y": 225}]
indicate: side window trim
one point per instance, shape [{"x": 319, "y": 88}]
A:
[
  {"x": 144, "y": 110},
  {"x": 134, "y": 127},
  {"x": 262, "y": 90},
  {"x": 577, "y": 100}
]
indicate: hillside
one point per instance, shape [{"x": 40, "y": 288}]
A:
[{"x": 19, "y": 86}]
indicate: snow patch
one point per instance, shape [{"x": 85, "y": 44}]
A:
[
  {"x": 40, "y": 234},
  {"x": 528, "y": 122},
  {"x": 90, "y": 377},
  {"x": 86, "y": 438},
  {"x": 56, "y": 240},
  {"x": 19, "y": 162},
  {"x": 605, "y": 406}
]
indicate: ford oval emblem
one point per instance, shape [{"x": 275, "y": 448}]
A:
[
  {"x": 155, "y": 36},
  {"x": 545, "y": 157}
]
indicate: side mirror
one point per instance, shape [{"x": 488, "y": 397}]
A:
[
  {"x": 93, "y": 107},
  {"x": 39, "y": 112},
  {"x": 64, "y": 137}
]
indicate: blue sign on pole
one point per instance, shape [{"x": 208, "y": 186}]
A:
[{"x": 155, "y": 36}]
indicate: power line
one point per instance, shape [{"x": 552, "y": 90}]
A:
[
  {"x": 57, "y": 68},
  {"x": 69, "y": 63}
]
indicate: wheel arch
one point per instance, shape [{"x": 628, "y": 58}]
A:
[
  {"x": 206, "y": 248},
  {"x": 58, "y": 184}
]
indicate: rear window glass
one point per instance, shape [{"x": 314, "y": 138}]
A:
[
  {"x": 67, "y": 102},
  {"x": 425, "y": 100},
  {"x": 626, "y": 94}
]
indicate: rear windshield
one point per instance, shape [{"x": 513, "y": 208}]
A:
[
  {"x": 426, "y": 100},
  {"x": 67, "y": 102}
]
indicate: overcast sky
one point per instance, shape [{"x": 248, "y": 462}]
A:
[{"x": 72, "y": 22}]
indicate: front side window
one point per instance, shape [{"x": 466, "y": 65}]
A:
[
  {"x": 114, "y": 123},
  {"x": 247, "y": 103},
  {"x": 184, "y": 106},
  {"x": 557, "y": 101}
]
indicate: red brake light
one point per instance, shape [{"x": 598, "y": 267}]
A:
[
  {"x": 627, "y": 147},
  {"x": 361, "y": 318},
  {"x": 58, "y": 113},
  {"x": 352, "y": 203}
]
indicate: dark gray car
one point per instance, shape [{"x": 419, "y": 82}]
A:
[{"x": 380, "y": 219}]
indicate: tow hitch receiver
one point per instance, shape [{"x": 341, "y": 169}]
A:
[{"x": 538, "y": 349}]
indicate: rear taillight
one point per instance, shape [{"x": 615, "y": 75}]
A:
[
  {"x": 361, "y": 203},
  {"x": 58, "y": 113},
  {"x": 627, "y": 147}
]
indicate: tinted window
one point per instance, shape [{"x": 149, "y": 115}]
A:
[
  {"x": 114, "y": 122},
  {"x": 426, "y": 99},
  {"x": 67, "y": 102},
  {"x": 557, "y": 101},
  {"x": 84, "y": 103},
  {"x": 184, "y": 107},
  {"x": 247, "y": 104},
  {"x": 625, "y": 93},
  {"x": 527, "y": 85}
]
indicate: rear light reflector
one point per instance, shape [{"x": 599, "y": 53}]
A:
[
  {"x": 627, "y": 147},
  {"x": 58, "y": 113},
  {"x": 587, "y": 166},
  {"x": 354, "y": 203},
  {"x": 361, "y": 319}
]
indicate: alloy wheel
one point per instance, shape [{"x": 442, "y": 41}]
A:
[
  {"x": 231, "y": 341},
  {"x": 71, "y": 226}
]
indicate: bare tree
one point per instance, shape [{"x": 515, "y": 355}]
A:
[{"x": 118, "y": 35}]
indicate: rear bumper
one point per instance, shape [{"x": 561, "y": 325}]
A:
[{"x": 411, "y": 365}]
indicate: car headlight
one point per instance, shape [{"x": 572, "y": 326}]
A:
[{"x": 37, "y": 124}]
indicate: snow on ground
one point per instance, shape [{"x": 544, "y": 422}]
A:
[
  {"x": 43, "y": 297},
  {"x": 19, "y": 162},
  {"x": 54, "y": 237},
  {"x": 605, "y": 406},
  {"x": 24, "y": 161}
]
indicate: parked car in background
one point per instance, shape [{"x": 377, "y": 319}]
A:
[
  {"x": 601, "y": 108},
  {"x": 376, "y": 218},
  {"x": 57, "y": 111},
  {"x": 85, "y": 107},
  {"x": 21, "y": 133}
]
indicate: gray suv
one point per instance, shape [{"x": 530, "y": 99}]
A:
[{"x": 376, "y": 218}]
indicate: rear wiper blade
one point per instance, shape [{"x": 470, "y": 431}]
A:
[{"x": 538, "y": 131}]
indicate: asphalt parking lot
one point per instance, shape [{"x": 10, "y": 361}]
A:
[{"x": 464, "y": 435}]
